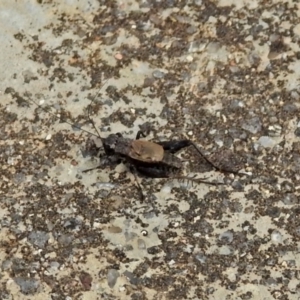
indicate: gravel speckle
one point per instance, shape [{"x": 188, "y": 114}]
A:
[
  {"x": 267, "y": 142},
  {"x": 27, "y": 285},
  {"x": 253, "y": 125},
  {"x": 158, "y": 74},
  {"x": 226, "y": 237},
  {"x": 112, "y": 277},
  {"x": 276, "y": 237},
  {"x": 38, "y": 238}
]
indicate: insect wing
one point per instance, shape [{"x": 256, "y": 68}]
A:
[{"x": 146, "y": 151}]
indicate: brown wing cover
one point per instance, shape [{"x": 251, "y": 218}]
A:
[{"x": 146, "y": 151}]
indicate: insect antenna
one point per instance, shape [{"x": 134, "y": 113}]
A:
[
  {"x": 204, "y": 156},
  {"x": 89, "y": 112},
  {"x": 46, "y": 109},
  {"x": 219, "y": 168},
  {"x": 224, "y": 162},
  {"x": 182, "y": 179}
]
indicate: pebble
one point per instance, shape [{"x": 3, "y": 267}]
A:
[
  {"x": 201, "y": 257},
  {"x": 267, "y": 142},
  {"x": 289, "y": 199},
  {"x": 225, "y": 250},
  {"x": 158, "y": 74},
  {"x": 19, "y": 178},
  {"x": 65, "y": 239},
  {"x": 105, "y": 185},
  {"x": 252, "y": 125},
  {"x": 226, "y": 237},
  {"x": 6, "y": 265},
  {"x": 118, "y": 56},
  {"x": 48, "y": 137},
  {"x": 141, "y": 244},
  {"x": 274, "y": 130},
  {"x": 112, "y": 277},
  {"x": 276, "y": 236},
  {"x": 38, "y": 238},
  {"x": 27, "y": 285}
]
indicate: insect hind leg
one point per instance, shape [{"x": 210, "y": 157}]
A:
[
  {"x": 153, "y": 172},
  {"x": 141, "y": 133},
  {"x": 175, "y": 146}
]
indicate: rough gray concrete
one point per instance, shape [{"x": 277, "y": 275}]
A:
[{"x": 223, "y": 73}]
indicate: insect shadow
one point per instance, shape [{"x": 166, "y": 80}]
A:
[{"x": 149, "y": 158}]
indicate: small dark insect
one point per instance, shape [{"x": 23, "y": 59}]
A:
[{"x": 153, "y": 159}]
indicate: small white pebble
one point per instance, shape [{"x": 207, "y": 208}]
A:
[
  {"x": 171, "y": 262},
  {"x": 9, "y": 282},
  {"x": 175, "y": 224},
  {"x": 166, "y": 188},
  {"x": 48, "y": 137},
  {"x": 276, "y": 237},
  {"x": 189, "y": 58},
  {"x": 21, "y": 142},
  {"x": 190, "y": 133},
  {"x": 122, "y": 289},
  {"x": 223, "y": 19},
  {"x": 144, "y": 232},
  {"x": 41, "y": 102},
  {"x": 11, "y": 161},
  {"x": 284, "y": 264},
  {"x": 196, "y": 219}
]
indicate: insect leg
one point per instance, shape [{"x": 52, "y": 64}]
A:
[
  {"x": 91, "y": 169},
  {"x": 133, "y": 171},
  {"x": 175, "y": 146},
  {"x": 153, "y": 172},
  {"x": 198, "y": 180},
  {"x": 140, "y": 134},
  {"x": 144, "y": 132}
]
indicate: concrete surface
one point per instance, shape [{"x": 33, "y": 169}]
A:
[{"x": 223, "y": 73}]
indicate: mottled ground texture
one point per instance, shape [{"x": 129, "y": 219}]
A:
[{"x": 224, "y": 74}]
